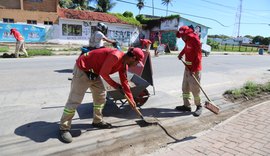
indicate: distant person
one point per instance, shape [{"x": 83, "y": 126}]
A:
[
  {"x": 20, "y": 44},
  {"x": 145, "y": 43},
  {"x": 157, "y": 42},
  {"x": 193, "y": 59},
  {"x": 87, "y": 73},
  {"x": 97, "y": 39}
]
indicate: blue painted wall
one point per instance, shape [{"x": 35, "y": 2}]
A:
[{"x": 31, "y": 33}]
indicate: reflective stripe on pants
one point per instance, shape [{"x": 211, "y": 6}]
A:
[
  {"x": 80, "y": 83},
  {"x": 189, "y": 85}
]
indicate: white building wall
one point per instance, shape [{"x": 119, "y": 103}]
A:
[{"x": 123, "y": 33}]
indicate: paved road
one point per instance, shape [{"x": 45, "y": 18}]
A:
[
  {"x": 33, "y": 92},
  {"x": 246, "y": 133}
]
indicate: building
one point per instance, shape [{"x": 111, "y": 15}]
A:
[
  {"x": 41, "y": 12},
  {"x": 168, "y": 26},
  {"x": 60, "y": 25}
]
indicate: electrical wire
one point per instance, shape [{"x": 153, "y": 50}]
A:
[{"x": 177, "y": 13}]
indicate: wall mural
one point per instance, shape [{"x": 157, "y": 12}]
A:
[
  {"x": 31, "y": 33},
  {"x": 169, "y": 38}
]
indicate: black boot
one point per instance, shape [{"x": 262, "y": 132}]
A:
[
  {"x": 102, "y": 125},
  {"x": 66, "y": 136},
  {"x": 183, "y": 108},
  {"x": 198, "y": 111}
]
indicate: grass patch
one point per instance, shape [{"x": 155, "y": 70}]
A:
[
  {"x": 4, "y": 49},
  {"x": 250, "y": 90},
  {"x": 39, "y": 52}
]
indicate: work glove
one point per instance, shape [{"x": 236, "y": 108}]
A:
[
  {"x": 120, "y": 89},
  {"x": 179, "y": 57}
]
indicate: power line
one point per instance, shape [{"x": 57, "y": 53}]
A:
[
  {"x": 219, "y": 4},
  {"x": 177, "y": 12}
]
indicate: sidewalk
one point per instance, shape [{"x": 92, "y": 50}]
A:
[{"x": 247, "y": 133}]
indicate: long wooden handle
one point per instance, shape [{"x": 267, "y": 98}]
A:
[
  {"x": 135, "y": 108},
  {"x": 196, "y": 81}
]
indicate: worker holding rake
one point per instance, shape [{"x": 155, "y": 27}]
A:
[{"x": 193, "y": 63}]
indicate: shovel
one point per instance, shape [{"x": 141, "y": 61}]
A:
[
  {"x": 208, "y": 104},
  {"x": 147, "y": 121}
]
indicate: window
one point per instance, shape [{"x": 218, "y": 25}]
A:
[
  {"x": 71, "y": 30},
  {"x": 38, "y": 1},
  {"x": 8, "y": 20},
  {"x": 48, "y": 23},
  {"x": 31, "y": 22}
]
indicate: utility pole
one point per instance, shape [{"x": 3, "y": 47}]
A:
[
  {"x": 240, "y": 13},
  {"x": 153, "y": 14},
  {"x": 237, "y": 22}
]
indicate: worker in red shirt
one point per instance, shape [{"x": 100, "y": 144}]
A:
[
  {"x": 146, "y": 43},
  {"x": 193, "y": 59},
  {"x": 87, "y": 73},
  {"x": 20, "y": 44}
]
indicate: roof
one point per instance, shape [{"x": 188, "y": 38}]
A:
[{"x": 88, "y": 15}]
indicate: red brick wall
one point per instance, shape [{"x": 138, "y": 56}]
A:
[
  {"x": 45, "y": 5},
  {"x": 23, "y": 15},
  {"x": 10, "y": 4}
]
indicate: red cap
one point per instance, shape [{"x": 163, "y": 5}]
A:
[
  {"x": 138, "y": 53},
  {"x": 184, "y": 30}
]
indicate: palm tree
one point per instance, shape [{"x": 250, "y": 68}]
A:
[
  {"x": 75, "y": 4},
  {"x": 166, "y": 2},
  {"x": 140, "y": 5},
  {"x": 104, "y": 5}
]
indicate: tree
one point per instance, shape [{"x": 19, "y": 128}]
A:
[
  {"x": 128, "y": 14},
  {"x": 257, "y": 40},
  {"x": 140, "y": 5},
  {"x": 104, "y": 5},
  {"x": 248, "y": 36},
  {"x": 265, "y": 41},
  {"x": 75, "y": 4},
  {"x": 166, "y": 2}
]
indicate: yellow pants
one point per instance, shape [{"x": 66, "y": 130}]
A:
[
  {"x": 189, "y": 85},
  {"x": 80, "y": 83}
]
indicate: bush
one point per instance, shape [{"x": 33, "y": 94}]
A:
[
  {"x": 129, "y": 20},
  {"x": 128, "y": 14},
  {"x": 39, "y": 52}
]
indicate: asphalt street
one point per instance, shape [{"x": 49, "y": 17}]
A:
[{"x": 34, "y": 90}]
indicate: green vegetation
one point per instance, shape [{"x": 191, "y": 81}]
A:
[
  {"x": 4, "y": 49},
  {"x": 39, "y": 52},
  {"x": 250, "y": 90},
  {"x": 128, "y": 14},
  {"x": 234, "y": 48},
  {"x": 129, "y": 20}
]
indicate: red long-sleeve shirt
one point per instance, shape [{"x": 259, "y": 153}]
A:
[
  {"x": 17, "y": 35},
  {"x": 106, "y": 61},
  {"x": 192, "y": 52}
]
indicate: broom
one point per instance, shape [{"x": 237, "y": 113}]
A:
[{"x": 208, "y": 104}]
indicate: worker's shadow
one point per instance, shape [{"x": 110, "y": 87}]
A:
[
  {"x": 125, "y": 111},
  {"x": 41, "y": 131},
  {"x": 64, "y": 71}
]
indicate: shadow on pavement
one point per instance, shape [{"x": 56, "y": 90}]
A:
[
  {"x": 39, "y": 131},
  {"x": 64, "y": 71},
  {"x": 182, "y": 140}
]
